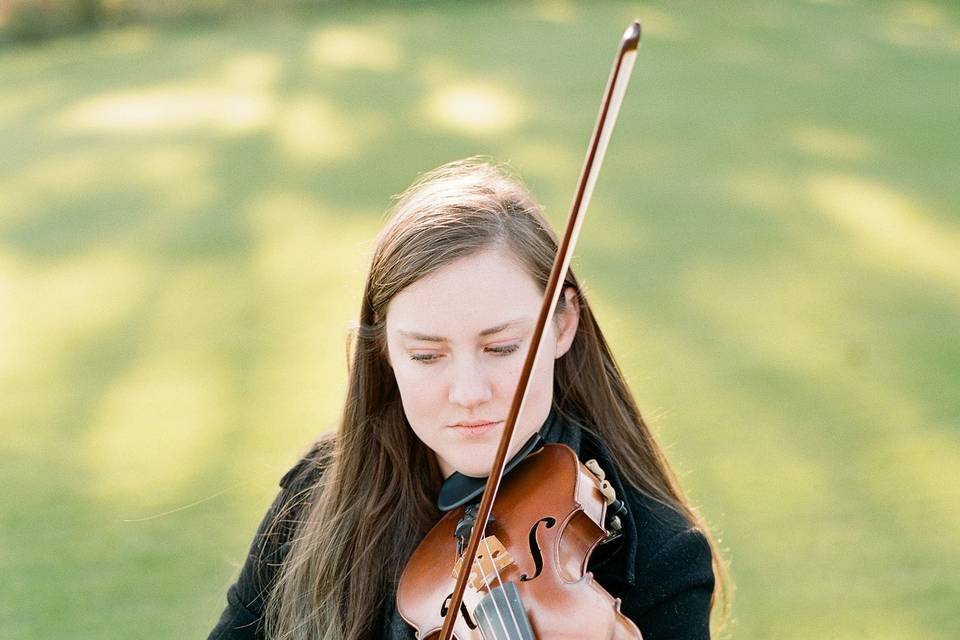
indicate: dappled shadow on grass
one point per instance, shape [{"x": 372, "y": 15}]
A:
[{"x": 192, "y": 210}]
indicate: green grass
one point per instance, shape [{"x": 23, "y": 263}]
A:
[{"x": 773, "y": 249}]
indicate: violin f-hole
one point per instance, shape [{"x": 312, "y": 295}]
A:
[{"x": 535, "y": 547}]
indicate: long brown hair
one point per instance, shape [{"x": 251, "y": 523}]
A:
[{"x": 375, "y": 500}]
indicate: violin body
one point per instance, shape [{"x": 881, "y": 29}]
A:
[{"x": 548, "y": 516}]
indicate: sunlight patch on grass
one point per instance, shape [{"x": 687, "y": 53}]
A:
[
  {"x": 293, "y": 233},
  {"x": 474, "y": 108},
  {"x": 916, "y": 462},
  {"x": 299, "y": 384},
  {"x": 252, "y": 72},
  {"x": 155, "y": 426},
  {"x": 781, "y": 478},
  {"x": 661, "y": 25},
  {"x": 346, "y": 47},
  {"x": 161, "y": 415},
  {"x": 555, "y": 11},
  {"x": 310, "y": 290},
  {"x": 892, "y": 228},
  {"x": 311, "y": 129},
  {"x": 920, "y": 25},
  {"x": 826, "y": 142},
  {"x": 542, "y": 159},
  {"x": 48, "y": 309},
  {"x": 180, "y": 108},
  {"x": 776, "y": 311},
  {"x": 919, "y": 13}
]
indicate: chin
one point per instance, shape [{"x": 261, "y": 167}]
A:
[
  {"x": 473, "y": 470},
  {"x": 472, "y": 458},
  {"x": 479, "y": 464}
]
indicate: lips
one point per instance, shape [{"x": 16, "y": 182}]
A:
[{"x": 476, "y": 428}]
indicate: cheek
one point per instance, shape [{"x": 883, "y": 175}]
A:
[
  {"x": 539, "y": 394},
  {"x": 505, "y": 373},
  {"x": 416, "y": 388},
  {"x": 421, "y": 404}
]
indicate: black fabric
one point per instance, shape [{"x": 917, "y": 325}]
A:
[
  {"x": 460, "y": 489},
  {"x": 660, "y": 567}
]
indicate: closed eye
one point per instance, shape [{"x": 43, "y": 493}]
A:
[
  {"x": 505, "y": 349},
  {"x": 430, "y": 358}
]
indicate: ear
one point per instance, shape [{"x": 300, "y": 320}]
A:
[{"x": 567, "y": 321}]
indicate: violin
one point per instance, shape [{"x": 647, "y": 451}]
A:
[
  {"x": 530, "y": 572},
  {"x": 514, "y": 567}
]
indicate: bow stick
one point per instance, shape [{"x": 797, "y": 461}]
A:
[{"x": 609, "y": 108}]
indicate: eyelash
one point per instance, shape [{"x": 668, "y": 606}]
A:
[{"x": 428, "y": 358}]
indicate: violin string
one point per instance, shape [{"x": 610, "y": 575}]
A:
[
  {"x": 486, "y": 583},
  {"x": 516, "y": 625},
  {"x": 493, "y": 599}
]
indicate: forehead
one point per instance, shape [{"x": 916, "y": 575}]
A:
[{"x": 466, "y": 296}]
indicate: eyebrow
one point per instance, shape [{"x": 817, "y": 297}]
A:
[{"x": 486, "y": 332}]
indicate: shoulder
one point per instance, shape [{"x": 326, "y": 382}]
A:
[
  {"x": 674, "y": 572},
  {"x": 289, "y": 508},
  {"x": 246, "y": 597},
  {"x": 309, "y": 469},
  {"x": 668, "y": 544},
  {"x": 286, "y": 513}
]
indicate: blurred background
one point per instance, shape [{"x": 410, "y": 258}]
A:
[{"x": 188, "y": 195}]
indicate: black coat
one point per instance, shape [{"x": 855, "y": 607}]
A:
[{"x": 660, "y": 568}]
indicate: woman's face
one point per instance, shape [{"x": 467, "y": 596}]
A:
[{"x": 456, "y": 340}]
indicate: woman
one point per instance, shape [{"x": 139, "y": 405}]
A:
[{"x": 450, "y": 302}]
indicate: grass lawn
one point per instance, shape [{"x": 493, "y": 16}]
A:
[{"x": 773, "y": 249}]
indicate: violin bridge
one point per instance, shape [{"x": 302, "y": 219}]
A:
[{"x": 492, "y": 558}]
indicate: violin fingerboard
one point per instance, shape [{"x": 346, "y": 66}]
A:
[{"x": 501, "y": 615}]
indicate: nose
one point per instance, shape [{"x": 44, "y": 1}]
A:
[{"x": 469, "y": 387}]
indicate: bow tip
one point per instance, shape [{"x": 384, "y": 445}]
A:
[{"x": 631, "y": 37}]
